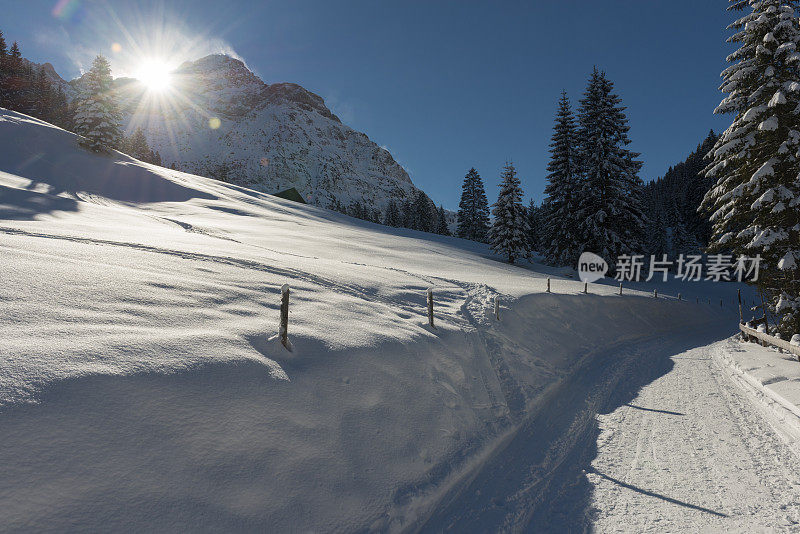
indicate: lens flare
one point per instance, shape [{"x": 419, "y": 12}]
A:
[{"x": 154, "y": 74}]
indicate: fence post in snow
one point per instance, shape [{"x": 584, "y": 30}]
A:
[
  {"x": 586, "y": 287},
  {"x": 497, "y": 308},
  {"x": 284, "y": 330},
  {"x": 548, "y": 285},
  {"x": 430, "y": 307},
  {"x": 620, "y": 288},
  {"x": 739, "y": 294}
]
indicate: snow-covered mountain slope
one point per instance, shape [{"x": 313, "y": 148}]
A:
[
  {"x": 142, "y": 386},
  {"x": 219, "y": 119}
]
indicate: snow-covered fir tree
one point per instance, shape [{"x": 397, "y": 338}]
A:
[
  {"x": 560, "y": 227},
  {"x": 755, "y": 203},
  {"x": 441, "y": 224},
  {"x": 392, "y": 215},
  {"x": 509, "y": 235},
  {"x": 612, "y": 220},
  {"x": 473, "y": 209},
  {"x": 136, "y": 145},
  {"x": 14, "y": 85},
  {"x": 535, "y": 226},
  {"x": 3, "y": 71},
  {"x": 97, "y": 116}
]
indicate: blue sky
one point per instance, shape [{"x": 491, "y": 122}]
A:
[{"x": 444, "y": 85}]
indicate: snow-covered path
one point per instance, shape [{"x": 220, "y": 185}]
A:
[
  {"x": 650, "y": 436},
  {"x": 691, "y": 452}
]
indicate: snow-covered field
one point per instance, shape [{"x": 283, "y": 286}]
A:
[{"x": 142, "y": 385}]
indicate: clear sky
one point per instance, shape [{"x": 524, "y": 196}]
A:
[{"x": 444, "y": 85}]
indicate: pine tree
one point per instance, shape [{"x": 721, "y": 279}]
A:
[
  {"x": 43, "y": 96},
  {"x": 3, "y": 71},
  {"x": 509, "y": 233},
  {"x": 423, "y": 213},
  {"x": 61, "y": 114},
  {"x": 392, "y": 217},
  {"x": 97, "y": 116},
  {"x": 561, "y": 224},
  {"x": 136, "y": 146},
  {"x": 473, "y": 209},
  {"x": 755, "y": 203},
  {"x": 610, "y": 210},
  {"x": 535, "y": 226},
  {"x": 15, "y": 85},
  {"x": 441, "y": 224}
]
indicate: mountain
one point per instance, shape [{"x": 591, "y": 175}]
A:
[{"x": 219, "y": 119}]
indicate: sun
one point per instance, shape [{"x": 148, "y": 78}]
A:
[{"x": 154, "y": 74}]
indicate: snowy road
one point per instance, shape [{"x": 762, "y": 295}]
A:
[
  {"x": 648, "y": 437},
  {"x": 692, "y": 452}
]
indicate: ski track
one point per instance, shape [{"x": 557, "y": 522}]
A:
[{"x": 692, "y": 453}]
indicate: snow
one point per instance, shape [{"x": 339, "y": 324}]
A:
[
  {"x": 142, "y": 383},
  {"x": 696, "y": 449},
  {"x": 777, "y": 99},
  {"x": 772, "y": 379},
  {"x": 787, "y": 263},
  {"x": 769, "y": 125}
]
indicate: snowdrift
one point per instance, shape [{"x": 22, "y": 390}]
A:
[{"x": 142, "y": 386}]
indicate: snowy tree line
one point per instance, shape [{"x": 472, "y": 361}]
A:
[
  {"x": 28, "y": 89},
  {"x": 593, "y": 198},
  {"x": 671, "y": 203},
  {"x": 415, "y": 212}
]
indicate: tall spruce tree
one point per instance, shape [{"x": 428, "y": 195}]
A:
[
  {"x": 14, "y": 82},
  {"x": 441, "y": 222},
  {"x": 473, "y": 209},
  {"x": 611, "y": 217},
  {"x": 561, "y": 224},
  {"x": 136, "y": 145},
  {"x": 3, "y": 71},
  {"x": 535, "y": 226},
  {"x": 97, "y": 116},
  {"x": 509, "y": 235},
  {"x": 755, "y": 202},
  {"x": 392, "y": 216}
]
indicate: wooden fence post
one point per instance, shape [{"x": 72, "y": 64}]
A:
[
  {"x": 548, "y": 285},
  {"x": 739, "y": 294},
  {"x": 284, "y": 329},
  {"x": 430, "y": 307}
]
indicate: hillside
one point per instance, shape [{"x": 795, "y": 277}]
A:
[{"x": 141, "y": 382}]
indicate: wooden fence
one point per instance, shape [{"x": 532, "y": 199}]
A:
[{"x": 768, "y": 339}]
